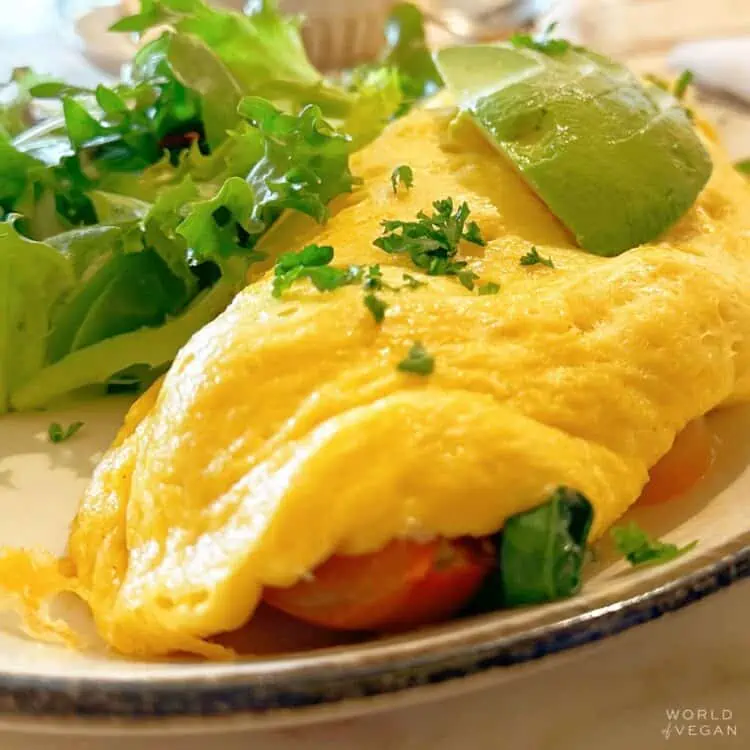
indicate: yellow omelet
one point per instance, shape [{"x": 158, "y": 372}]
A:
[{"x": 284, "y": 432}]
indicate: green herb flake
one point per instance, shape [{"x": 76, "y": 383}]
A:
[
  {"x": 328, "y": 278},
  {"x": 376, "y": 306},
  {"x": 639, "y": 548},
  {"x": 532, "y": 258},
  {"x": 432, "y": 241},
  {"x": 402, "y": 175},
  {"x": 467, "y": 278},
  {"x": 312, "y": 262},
  {"x": 373, "y": 278},
  {"x": 682, "y": 83},
  {"x": 418, "y": 361},
  {"x": 489, "y": 288},
  {"x": 743, "y": 166},
  {"x": 312, "y": 255},
  {"x": 412, "y": 283},
  {"x": 59, "y": 434}
]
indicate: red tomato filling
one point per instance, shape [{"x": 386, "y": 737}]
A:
[
  {"x": 408, "y": 584},
  {"x": 688, "y": 461},
  {"x": 404, "y": 585}
]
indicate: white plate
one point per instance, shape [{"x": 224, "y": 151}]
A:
[{"x": 40, "y": 484}]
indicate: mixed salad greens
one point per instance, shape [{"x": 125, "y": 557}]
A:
[{"x": 128, "y": 221}]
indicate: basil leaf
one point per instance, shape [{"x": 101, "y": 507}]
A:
[{"x": 542, "y": 550}]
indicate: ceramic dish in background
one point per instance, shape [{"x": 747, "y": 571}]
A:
[
  {"x": 337, "y": 33},
  {"x": 341, "y": 33}
]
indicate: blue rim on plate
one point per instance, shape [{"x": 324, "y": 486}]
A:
[{"x": 328, "y": 677}]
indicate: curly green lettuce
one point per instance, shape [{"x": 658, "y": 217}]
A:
[{"x": 135, "y": 214}]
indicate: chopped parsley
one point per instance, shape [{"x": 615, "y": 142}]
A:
[
  {"x": 402, "y": 175},
  {"x": 489, "y": 288},
  {"x": 743, "y": 166},
  {"x": 532, "y": 258},
  {"x": 543, "y": 42},
  {"x": 373, "y": 279},
  {"x": 411, "y": 283},
  {"x": 417, "y": 361},
  {"x": 59, "y": 434},
  {"x": 312, "y": 262},
  {"x": 376, "y": 306},
  {"x": 432, "y": 241},
  {"x": 467, "y": 277},
  {"x": 682, "y": 83},
  {"x": 640, "y": 549}
]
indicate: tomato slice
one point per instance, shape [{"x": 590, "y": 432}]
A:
[
  {"x": 404, "y": 585},
  {"x": 683, "y": 467}
]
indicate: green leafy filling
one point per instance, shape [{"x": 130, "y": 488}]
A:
[{"x": 542, "y": 550}]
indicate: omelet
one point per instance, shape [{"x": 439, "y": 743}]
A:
[{"x": 284, "y": 433}]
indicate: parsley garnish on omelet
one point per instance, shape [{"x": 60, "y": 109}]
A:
[
  {"x": 418, "y": 361},
  {"x": 432, "y": 241}
]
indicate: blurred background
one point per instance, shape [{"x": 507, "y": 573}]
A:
[
  {"x": 68, "y": 39},
  {"x": 69, "y": 36}
]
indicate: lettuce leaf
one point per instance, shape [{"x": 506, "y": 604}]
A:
[
  {"x": 33, "y": 277},
  {"x": 153, "y": 194},
  {"x": 17, "y": 172},
  {"x": 145, "y": 351},
  {"x": 138, "y": 283},
  {"x": 202, "y": 71},
  {"x": 261, "y": 50},
  {"x": 305, "y": 164},
  {"x": 408, "y": 53},
  {"x": 15, "y": 102}
]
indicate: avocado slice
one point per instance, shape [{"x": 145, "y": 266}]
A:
[{"x": 616, "y": 160}]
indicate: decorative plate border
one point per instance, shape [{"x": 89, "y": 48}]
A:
[{"x": 380, "y": 668}]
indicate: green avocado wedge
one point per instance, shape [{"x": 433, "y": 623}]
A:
[{"x": 618, "y": 161}]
